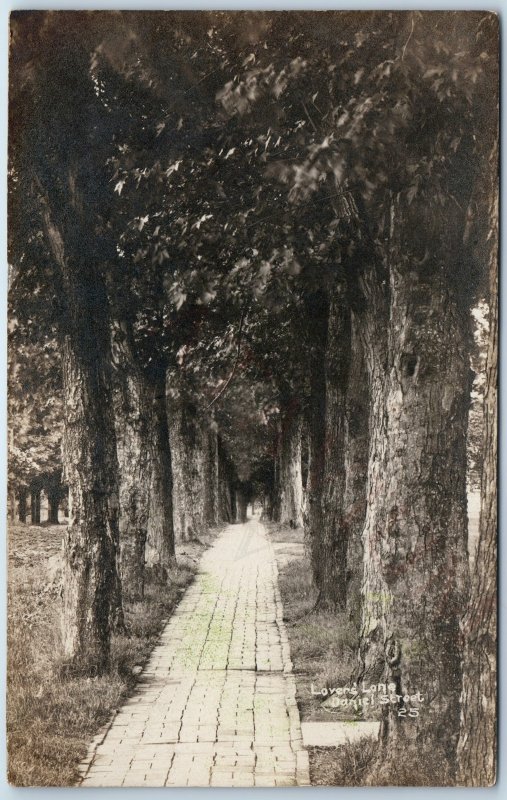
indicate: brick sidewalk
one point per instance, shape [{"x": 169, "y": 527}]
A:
[{"x": 215, "y": 705}]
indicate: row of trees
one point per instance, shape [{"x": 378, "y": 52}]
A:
[
  {"x": 259, "y": 238},
  {"x": 35, "y": 425}
]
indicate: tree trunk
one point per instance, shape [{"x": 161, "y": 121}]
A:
[
  {"x": 274, "y": 495},
  {"x": 91, "y": 540},
  {"x": 54, "y": 505},
  {"x": 90, "y": 462},
  {"x": 225, "y": 478},
  {"x": 234, "y": 501},
  {"x": 211, "y": 478},
  {"x": 372, "y": 329},
  {"x": 189, "y": 449},
  {"x": 477, "y": 747},
  {"x": 22, "y": 510},
  {"x": 416, "y": 564},
  {"x": 305, "y": 461},
  {"x": 276, "y": 489},
  {"x": 35, "y": 506},
  {"x": 356, "y": 470},
  {"x": 334, "y": 532},
  {"x": 224, "y": 503},
  {"x": 291, "y": 486},
  {"x": 161, "y": 554},
  {"x": 133, "y": 410},
  {"x": 317, "y": 311},
  {"x": 12, "y": 505},
  {"x": 241, "y": 505}
]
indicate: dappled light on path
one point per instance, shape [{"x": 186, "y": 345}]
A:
[{"x": 216, "y": 702}]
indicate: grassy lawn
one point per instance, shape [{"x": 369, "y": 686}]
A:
[
  {"x": 345, "y": 765},
  {"x": 51, "y": 718},
  {"x": 323, "y": 651},
  {"x": 323, "y": 646}
]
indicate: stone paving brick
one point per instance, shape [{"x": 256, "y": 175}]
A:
[{"x": 216, "y": 702}]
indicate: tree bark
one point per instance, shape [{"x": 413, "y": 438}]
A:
[
  {"x": 224, "y": 484},
  {"x": 189, "y": 448},
  {"x": 234, "y": 501},
  {"x": 211, "y": 481},
  {"x": 356, "y": 470},
  {"x": 276, "y": 489},
  {"x": 22, "y": 510},
  {"x": 372, "y": 330},
  {"x": 133, "y": 410},
  {"x": 91, "y": 540},
  {"x": 305, "y": 461},
  {"x": 416, "y": 563},
  {"x": 334, "y": 532},
  {"x": 90, "y": 572},
  {"x": 241, "y": 505},
  {"x": 477, "y": 746},
  {"x": 35, "y": 506},
  {"x": 317, "y": 312},
  {"x": 12, "y": 505},
  {"x": 54, "y": 505},
  {"x": 161, "y": 551},
  {"x": 291, "y": 485}
]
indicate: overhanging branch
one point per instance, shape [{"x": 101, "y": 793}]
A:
[{"x": 236, "y": 361}]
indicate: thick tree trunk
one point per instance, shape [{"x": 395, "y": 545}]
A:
[
  {"x": 356, "y": 470},
  {"x": 477, "y": 747},
  {"x": 35, "y": 506},
  {"x": 189, "y": 447},
  {"x": 291, "y": 485},
  {"x": 161, "y": 552},
  {"x": 372, "y": 328},
  {"x": 133, "y": 411},
  {"x": 334, "y": 536},
  {"x": 91, "y": 540},
  {"x": 416, "y": 564},
  {"x": 317, "y": 311},
  {"x": 22, "y": 504},
  {"x": 90, "y": 571}
]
